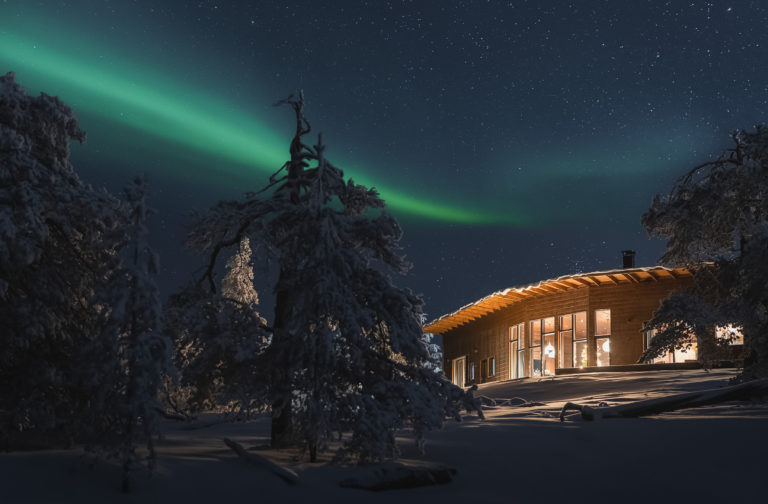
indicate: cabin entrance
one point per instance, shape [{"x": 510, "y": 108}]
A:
[{"x": 459, "y": 371}]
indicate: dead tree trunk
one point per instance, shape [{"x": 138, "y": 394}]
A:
[{"x": 743, "y": 391}]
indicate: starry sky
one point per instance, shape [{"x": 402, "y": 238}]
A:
[{"x": 515, "y": 141}]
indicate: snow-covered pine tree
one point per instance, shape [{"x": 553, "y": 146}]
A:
[
  {"x": 237, "y": 284},
  {"x": 716, "y": 222},
  {"x": 434, "y": 349},
  {"x": 58, "y": 242},
  {"x": 435, "y": 353},
  {"x": 346, "y": 355},
  {"x": 219, "y": 338},
  {"x": 132, "y": 356}
]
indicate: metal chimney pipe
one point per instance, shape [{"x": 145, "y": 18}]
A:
[{"x": 628, "y": 258}]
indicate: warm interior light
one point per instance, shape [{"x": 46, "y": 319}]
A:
[
  {"x": 549, "y": 350},
  {"x": 607, "y": 345}
]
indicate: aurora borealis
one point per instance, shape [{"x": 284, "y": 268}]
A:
[
  {"x": 514, "y": 140},
  {"x": 194, "y": 122}
]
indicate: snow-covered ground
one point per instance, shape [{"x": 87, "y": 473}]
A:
[{"x": 518, "y": 454}]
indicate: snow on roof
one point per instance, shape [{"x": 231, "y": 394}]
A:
[{"x": 510, "y": 295}]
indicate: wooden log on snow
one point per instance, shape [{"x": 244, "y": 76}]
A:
[
  {"x": 743, "y": 391},
  {"x": 290, "y": 477},
  {"x": 396, "y": 476}
]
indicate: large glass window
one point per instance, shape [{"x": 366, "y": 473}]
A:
[
  {"x": 543, "y": 346},
  {"x": 514, "y": 335},
  {"x": 730, "y": 334},
  {"x": 572, "y": 349},
  {"x": 602, "y": 322},
  {"x": 678, "y": 355},
  {"x": 491, "y": 366},
  {"x": 548, "y": 346},
  {"x": 565, "y": 358},
  {"x": 603, "y": 337},
  {"x": 535, "y": 348},
  {"x": 521, "y": 350},
  {"x": 580, "y": 339}
]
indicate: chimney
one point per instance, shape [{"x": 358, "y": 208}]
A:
[{"x": 628, "y": 258}]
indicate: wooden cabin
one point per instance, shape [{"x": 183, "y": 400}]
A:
[{"x": 574, "y": 322}]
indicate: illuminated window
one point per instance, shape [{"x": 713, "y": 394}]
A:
[
  {"x": 472, "y": 373},
  {"x": 602, "y": 322},
  {"x": 543, "y": 347},
  {"x": 492, "y": 366},
  {"x": 565, "y": 357},
  {"x": 686, "y": 354},
  {"x": 521, "y": 350},
  {"x": 580, "y": 339},
  {"x": 535, "y": 348},
  {"x": 731, "y": 334},
  {"x": 662, "y": 359},
  {"x": 603, "y": 337},
  {"x": 514, "y": 347}
]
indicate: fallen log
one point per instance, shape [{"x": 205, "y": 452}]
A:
[
  {"x": 174, "y": 415},
  {"x": 290, "y": 477},
  {"x": 743, "y": 391},
  {"x": 511, "y": 401},
  {"x": 397, "y": 476}
]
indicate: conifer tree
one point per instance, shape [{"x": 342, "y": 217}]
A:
[
  {"x": 219, "y": 338},
  {"x": 237, "y": 284},
  {"x": 58, "y": 244},
  {"x": 346, "y": 354},
  {"x": 716, "y": 222},
  {"x": 127, "y": 363}
]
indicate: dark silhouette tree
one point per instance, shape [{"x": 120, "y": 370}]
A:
[
  {"x": 58, "y": 249},
  {"x": 716, "y": 222},
  {"x": 346, "y": 354}
]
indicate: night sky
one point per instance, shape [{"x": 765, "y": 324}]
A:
[{"x": 515, "y": 141}]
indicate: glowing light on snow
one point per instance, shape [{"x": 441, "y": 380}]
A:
[{"x": 129, "y": 94}]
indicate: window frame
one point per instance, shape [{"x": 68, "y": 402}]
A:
[
  {"x": 602, "y": 338},
  {"x": 539, "y": 348}
]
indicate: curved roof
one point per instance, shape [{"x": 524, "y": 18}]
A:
[{"x": 506, "y": 297}]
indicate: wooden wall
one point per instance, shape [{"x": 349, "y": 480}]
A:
[{"x": 631, "y": 304}]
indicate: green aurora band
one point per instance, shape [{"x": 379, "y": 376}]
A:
[{"x": 192, "y": 119}]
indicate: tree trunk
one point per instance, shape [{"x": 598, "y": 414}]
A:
[
  {"x": 282, "y": 421},
  {"x": 282, "y": 424}
]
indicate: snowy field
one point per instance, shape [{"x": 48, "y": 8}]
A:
[{"x": 517, "y": 455}]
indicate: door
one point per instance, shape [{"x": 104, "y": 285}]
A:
[{"x": 459, "y": 371}]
